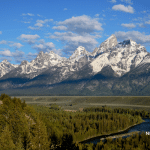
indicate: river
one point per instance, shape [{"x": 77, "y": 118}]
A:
[{"x": 142, "y": 127}]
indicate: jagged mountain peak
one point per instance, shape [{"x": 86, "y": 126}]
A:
[
  {"x": 78, "y": 53},
  {"x": 5, "y": 61},
  {"x": 109, "y": 43},
  {"x": 80, "y": 50},
  {"x": 128, "y": 42},
  {"x": 24, "y": 62}
]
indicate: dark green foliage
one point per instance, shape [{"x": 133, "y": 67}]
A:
[
  {"x": 19, "y": 124},
  {"x": 142, "y": 113},
  {"x": 42, "y": 128}
]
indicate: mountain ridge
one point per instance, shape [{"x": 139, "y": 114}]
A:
[{"x": 105, "y": 69}]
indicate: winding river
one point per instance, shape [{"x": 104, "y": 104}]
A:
[{"x": 142, "y": 127}]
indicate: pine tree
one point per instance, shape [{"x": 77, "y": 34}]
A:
[
  {"x": 39, "y": 136},
  {"x": 6, "y": 142}
]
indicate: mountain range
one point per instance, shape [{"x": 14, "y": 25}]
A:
[{"x": 111, "y": 69}]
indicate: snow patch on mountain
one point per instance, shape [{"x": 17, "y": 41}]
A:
[
  {"x": 6, "y": 67},
  {"x": 120, "y": 57},
  {"x": 79, "y": 53}
]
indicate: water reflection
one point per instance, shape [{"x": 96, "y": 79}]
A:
[{"x": 143, "y": 127}]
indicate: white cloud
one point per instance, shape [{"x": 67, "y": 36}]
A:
[
  {"x": 134, "y": 35},
  {"x": 73, "y": 40},
  {"x": 33, "y": 28},
  {"x": 82, "y": 24},
  {"x": 127, "y": 1},
  {"x": 16, "y": 45},
  {"x": 147, "y": 22},
  {"x": 0, "y": 32},
  {"x": 113, "y": 1},
  {"x": 30, "y": 56},
  {"x": 3, "y": 42},
  {"x": 28, "y": 38},
  {"x": 121, "y": 7},
  {"x": 65, "y": 8},
  {"x": 44, "y": 21},
  {"x": 81, "y": 31},
  {"x": 130, "y": 25},
  {"x": 18, "y": 56},
  {"x": 28, "y": 14},
  {"x": 73, "y": 37},
  {"x": 45, "y": 47},
  {"x": 18, "y": 53},
  {"x": 6, "y": 53},
  {"x": 40, "y": 23},
  {"x": 60, "y": 28}
]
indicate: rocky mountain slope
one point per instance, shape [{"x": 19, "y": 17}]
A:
[{"x": 111, "y": 69}]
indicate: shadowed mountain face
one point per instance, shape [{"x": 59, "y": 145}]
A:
[{"x": 111, "y": 69}]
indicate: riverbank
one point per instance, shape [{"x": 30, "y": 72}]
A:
[{"x": 120, "y": 133}]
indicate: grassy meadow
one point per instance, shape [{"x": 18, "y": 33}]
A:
[{"x": 80, "y": 102}]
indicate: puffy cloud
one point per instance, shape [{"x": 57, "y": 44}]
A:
[
  {"x": 33, "y": 28},
  {"x": 113, "y": 1},
  {"x": 0, "y": 32},
  {"x": 147, "y": 22},
  {"x": 134, "y": 35},
  {"x": 39, "y": 24},
  {"x": 30, "y": 56},
  {"x": 73, "y": 37},
  {"x": 73, "y": 40},
  {"x": 121, "y": 7},
  {"x": 130, "y": 25},
  {"x": 45, "y": 47},
  {"x": 16, "y": 45},
  {"x": 81, "y": 31},
  {"x": 44, "y": 21},
  {"x": 29, "y": 38},
  {"x": 127, "y": 1},
  {"x": 6, "y": 53},
  {"x": 3, "y": 42},
  {"x": 28, "y": 14},
  {"x": 18, "y": 56},
  {"x": 18, "y": 53},
  {"x": 81, "y": 24},
  {"x": 59, "y": 28}
]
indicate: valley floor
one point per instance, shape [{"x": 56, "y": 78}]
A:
[{"x": 76, "y": 103}]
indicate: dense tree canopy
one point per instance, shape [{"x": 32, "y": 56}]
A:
[{"x": 26, "y": 127}]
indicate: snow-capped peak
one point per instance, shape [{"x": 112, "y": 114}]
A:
[
  {"x": 78, "y": 53},
  {"x": 121, "y": 57},
  {"x": 5, "y": 61},
  {"x": 128, "y": 42},
  {"x": 109, "y": 43},
  {"x": 6, "y": 67}
]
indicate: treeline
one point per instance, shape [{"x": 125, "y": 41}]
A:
[
  {"x": 26, "y": 127},
  {"x": 142, "y": 113},
  {"x": 134, "y": 142},
  {"x": 20, "y": 126},
  {"x": 82, "y": 125}
]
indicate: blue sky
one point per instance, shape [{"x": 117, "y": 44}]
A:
[{"x": 30, "y": 26}]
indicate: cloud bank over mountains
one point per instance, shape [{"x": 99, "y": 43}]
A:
[{"x": 64, "y": 28}]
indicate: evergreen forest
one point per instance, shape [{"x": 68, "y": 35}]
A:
[{"x": 33, "y": 127}]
